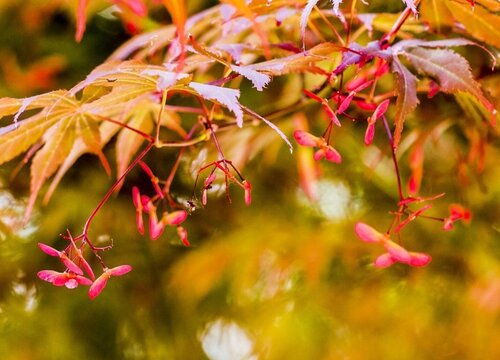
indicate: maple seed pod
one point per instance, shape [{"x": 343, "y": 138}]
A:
[
  {"x": 368, "y": 234},
  {"x": 209, "y": 180},
  {"x": 458, "y": 212},
  {"x": 248, "y": 192},
  {"x": 398, "y": 252},
  {"x": 381, "y": 109},
  {"x": 448, "y": 224},
  {"x": 62, "y": 256},
  {"x": 98, "y": 286},
  {"x": 332, "y": 155},
  {"x": 174, "y": 218},
  {"x": 182, "y": 232},
  {"x": 384, "y": 261},
  {"x": 68, "y": 279},
  {"x": 155, "y": 227},
  {"x": 370, "y": 133},
  {"x": 305, "y": 139},
  {"x": 419, "y": 259},
  {"x": 204, "y": 197}
]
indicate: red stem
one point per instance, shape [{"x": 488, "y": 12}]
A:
[
  {"x": 394, "y": 159},
  {"x": 109, "y": 193}
]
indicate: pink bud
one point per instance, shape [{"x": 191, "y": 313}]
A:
[
  {"x": 182, "y": 232},
  {"x": 332, "y": 155},
  {"x": 305, "y": 139},
  {"x": 368, "y": 234},
  {"x": 381, "y": 109},
  {"x": 398, "y": 252},
  {"x": 384, "y": 261},
  {"x": 419, "y": 259},
  {"x": 248, "y": 192},
  {"x": 175, "y": 218},
  {"x": 369, "y": 134}
]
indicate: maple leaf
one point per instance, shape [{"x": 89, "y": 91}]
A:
[
  {"x": 407, "y": 100},
  {"x": 436, "y": 13},
  {"x": 307, "y": 12},
  {"x": 258, "y": 79},
  {"x": 479, "y": 22},
  {"x": 305, "y": 17},
  {"x": 129, "y": 142},
  {"x": 451, "y": 70},
  {"x": 300, "y": 62},
  {"x": 225, "y": 96},
  {"x": 64, "y": 123}
]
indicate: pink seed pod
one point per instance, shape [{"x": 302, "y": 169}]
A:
[
  {"x": 419, "y": 259},
  {"x": 368, "y": 234},
  {"x": 174, "y": 218},
  {"x": 332, "y": 155},
  {"x": 384, "y": 261},
  {"x": 182, "y": 232},
  {"x": 398, "y": 252},
  {"x": 248, "y": 192},
  {"x": 98, "y": 286},
  {"x": 62, "y": 256},
  {"x": 155, "y": 227},
  {"x": 370, "y": 133},
  {"x": 305, "y": 139},
  {"x": 381, "y": 109}
]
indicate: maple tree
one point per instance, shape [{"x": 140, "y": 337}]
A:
[{"x": 176, "y": 88}]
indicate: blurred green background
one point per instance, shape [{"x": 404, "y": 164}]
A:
[{"x": 281, "y": 279}]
